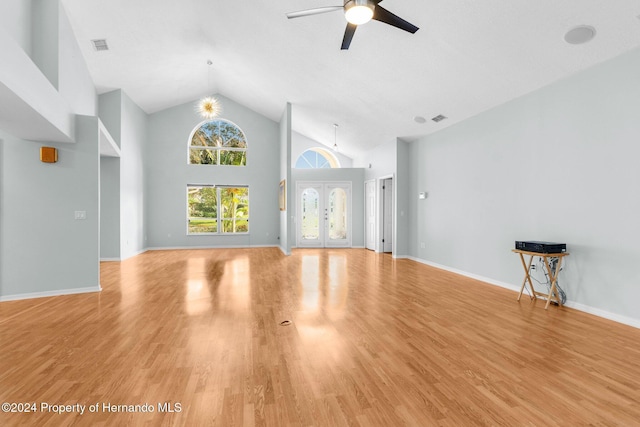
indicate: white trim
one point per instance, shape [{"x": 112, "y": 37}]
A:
[
  {"x": 46, "y": 294},
  {"x": 630, "y": 321},
  {"x": 120, "y": 259},
  {"x": 380, "y": 214},
  {"x": 170, "y": 248},
  {"x": 605, "y": 314},
  {"x": 284, "y": 251},
  {"x": 133, "y": 254}
]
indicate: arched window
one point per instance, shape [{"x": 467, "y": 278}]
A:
[
  {"x": 317, "y": 158},
  {"x": 217, "y": 142}
]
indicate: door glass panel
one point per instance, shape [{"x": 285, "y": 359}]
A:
[
  {"x": 310, "y": 229},
  {"x": 337, "y": 214}
]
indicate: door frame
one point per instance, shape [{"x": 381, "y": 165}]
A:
[
  {"x": 300, "y": 185},
  {"x": 375, "y": 214},
  {"x": 380, "y": 214}
]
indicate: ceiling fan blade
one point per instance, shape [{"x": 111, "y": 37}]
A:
[
  {"x": 316, "y": 11},
  {"x": 348, "y": 35},
  {"x": 383, "y": 15}
]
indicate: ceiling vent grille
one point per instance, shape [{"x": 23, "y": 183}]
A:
[
  {"x": 100, "y": 45},
  {"x": 438, "y": 118}
]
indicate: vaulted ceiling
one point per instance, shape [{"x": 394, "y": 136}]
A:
[{"x": 468, "y": 56}]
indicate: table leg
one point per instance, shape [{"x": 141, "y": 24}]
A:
[
  {"x": 527, "y": 278},
  {"x": 553, "y": 291}
]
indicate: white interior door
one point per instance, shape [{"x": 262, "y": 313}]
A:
[
  {"x": 370, "y": 214},
  {"x": 323, "y": 213}
]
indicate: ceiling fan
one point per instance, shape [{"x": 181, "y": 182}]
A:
[{"x": 358, "y": 12}]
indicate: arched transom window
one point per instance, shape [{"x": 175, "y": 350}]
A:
[
  {"x": 317, "y": 158},
  {"x": 218, "y": 142}
]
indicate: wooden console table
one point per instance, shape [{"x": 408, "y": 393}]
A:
[{"x": 553, "y": 294}]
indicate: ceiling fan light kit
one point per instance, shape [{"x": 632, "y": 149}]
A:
[{"x": 358, "y": 12}]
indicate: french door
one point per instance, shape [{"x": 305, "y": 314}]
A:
[{"x": 323, "y": 214}]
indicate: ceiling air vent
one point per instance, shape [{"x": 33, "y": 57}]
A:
[
  {"x": 100, "y": 45},
  {"x": 438, "y": 118}
]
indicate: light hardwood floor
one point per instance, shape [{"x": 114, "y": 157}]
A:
[{"x": 373, "y": 342}]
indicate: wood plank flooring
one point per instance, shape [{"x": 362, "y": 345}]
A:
[{"x": 373, "y": 341}]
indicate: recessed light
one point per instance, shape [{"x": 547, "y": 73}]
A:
[
  {"x": 580, "y": 34},
  {"x": 419, "y": 119}
]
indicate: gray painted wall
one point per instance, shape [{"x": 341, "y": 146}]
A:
[
  {"x": 355, "y": 176},
  {"x": 286, "y": 234},
  {"x": 110, "y": 112},
  {"x": 402, "y": 200},
  {"x": 15, "y": 19},
  {"x": 559, "y": 164},
  {"x": 383, "y": 161},
  {"x": 43, "y": 248},
  {"x": 123, "y": 180},
  {"x": 167, "y": 175},
  {"x": 45, "y": 38},
  {"x": 110, "y": 208},
  {"x": 392, "y": 160},
  {"x": 133, "y": 139}
]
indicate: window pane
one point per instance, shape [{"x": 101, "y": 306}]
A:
[
  {"x": 212, "y": 136},
  {"x": 203, "y": 225},
  {"x": 206, "y": 136},
  {"x": 235, "y": 209},
  {"x": 232, "y": 136},
  {"x": 203, "y": 209},
  {"x": 310, "y": 215},
  {"x": 316, "y": 158},
  {"x": 233, "y": 158},
  {"x": 337, "y": 214},
  {"x": 205, "y": 156},
  {"x": 235, "y": 226}
]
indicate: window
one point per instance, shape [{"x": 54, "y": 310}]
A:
[
  {"x": 317, "y": 158},
  {"x": 218, "y": 142},
  {"x": 217, "y": 209}
]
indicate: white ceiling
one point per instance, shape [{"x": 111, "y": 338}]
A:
[{"x": 467, "y": 57}]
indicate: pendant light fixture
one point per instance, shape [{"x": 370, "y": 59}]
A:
[
  {"x": 335, "y": 137},
  {"x": 209, "y": 107}
]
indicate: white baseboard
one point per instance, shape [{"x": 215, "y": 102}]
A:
[
  {"x": 46, "y": 294},
  {"x": 170, "y": 248},
  {"x": 602, "y": 313},
  {"x": 571, "y": 304},
  {"x": 284, "y": 251},
  {"x": 133, "y": 254}
]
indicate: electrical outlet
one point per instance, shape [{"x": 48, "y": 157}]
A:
[
  {"x": 422, "y": 245},
  {"x": 80, "y": 215}
]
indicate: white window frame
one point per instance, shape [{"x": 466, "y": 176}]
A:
[{"x": 219, "y": 211}]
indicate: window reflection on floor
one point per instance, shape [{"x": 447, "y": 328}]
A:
[
  {"x": 197, "y": 296},
  {"x": 324, "y": 291}
]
